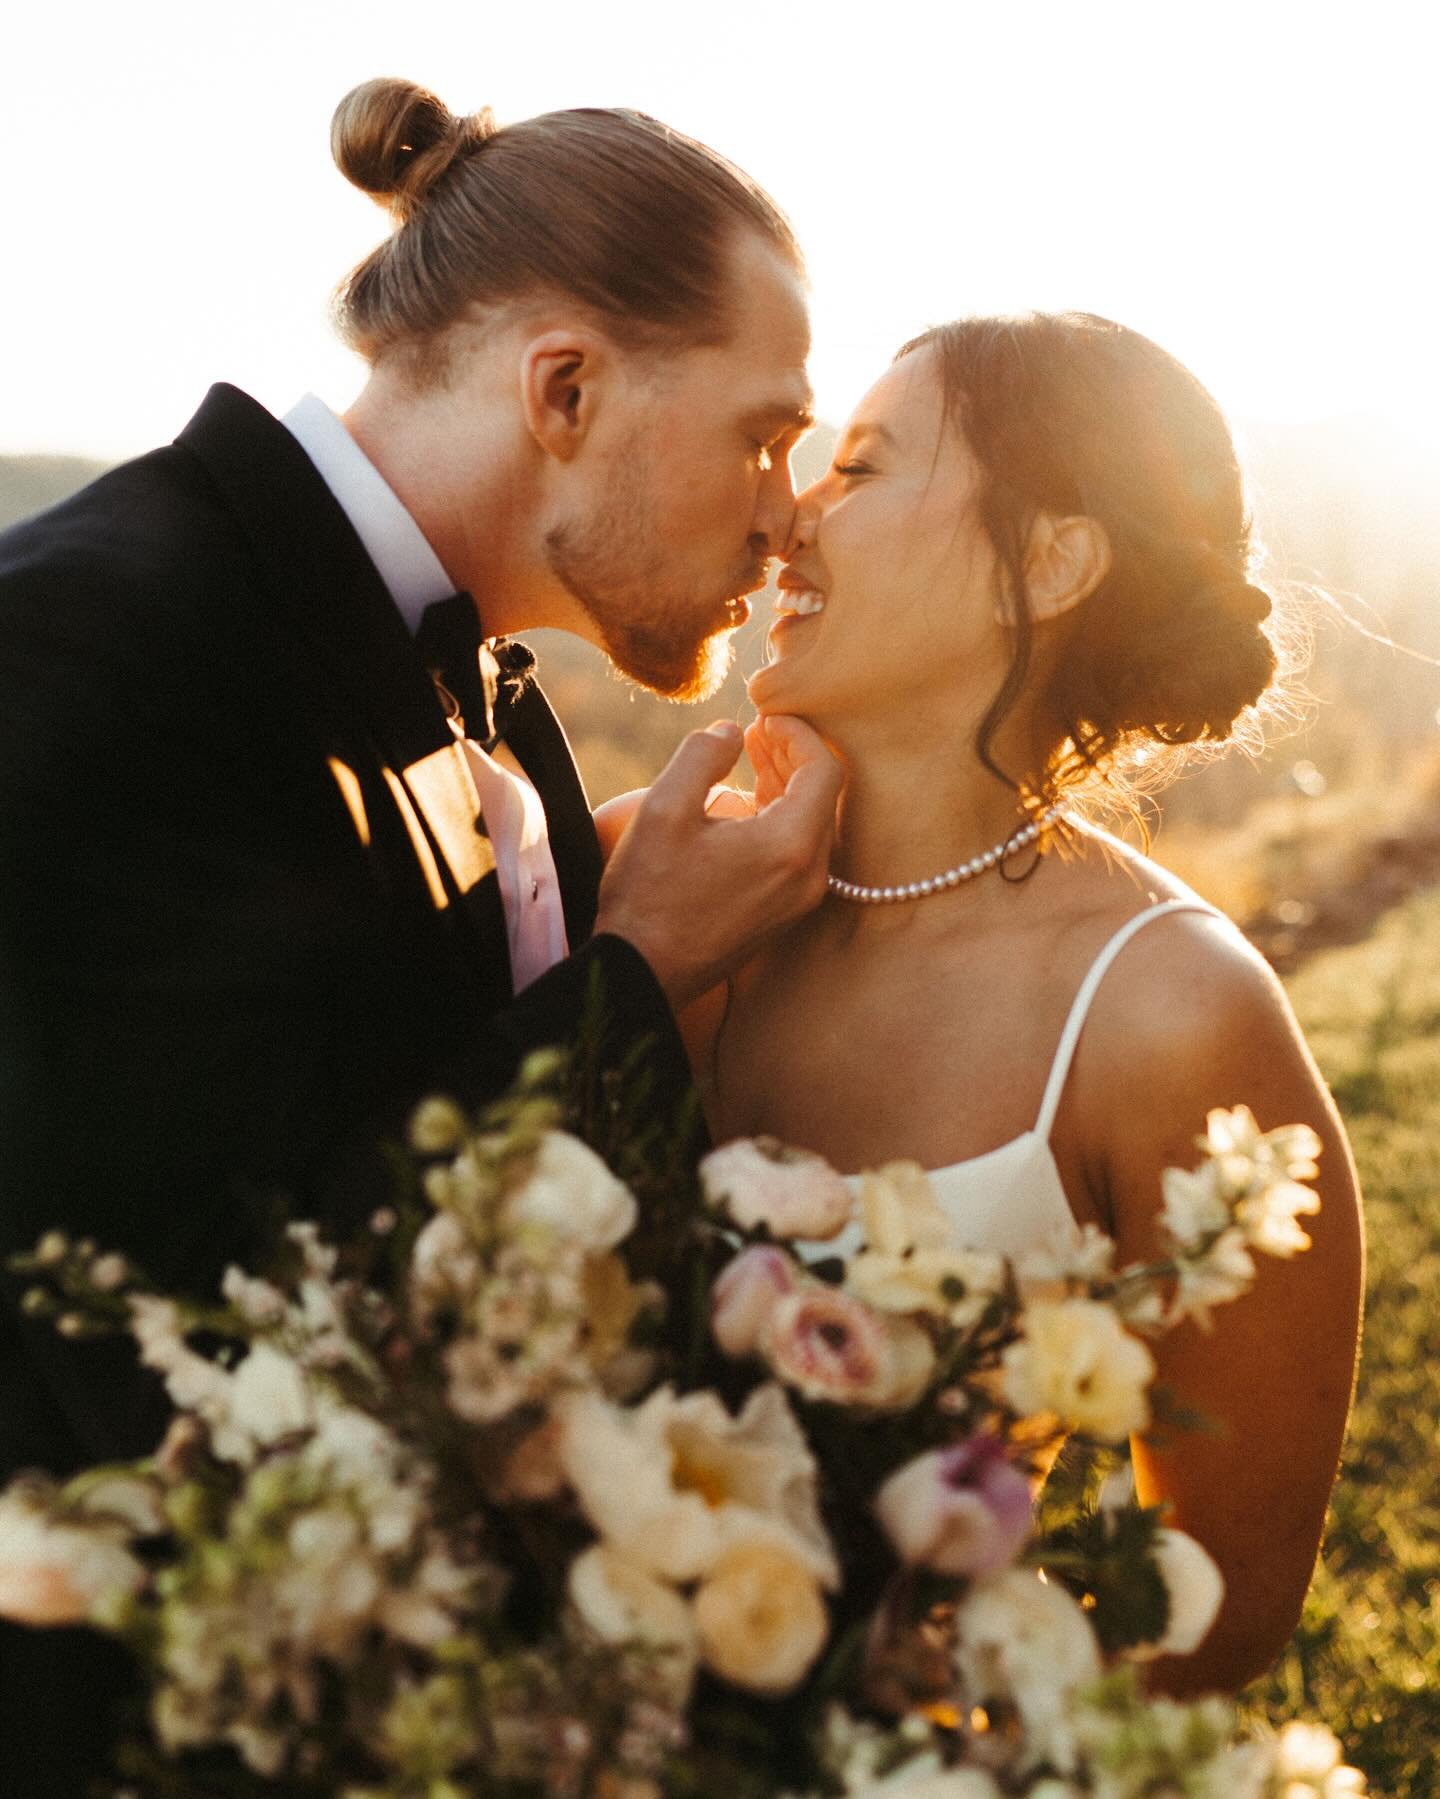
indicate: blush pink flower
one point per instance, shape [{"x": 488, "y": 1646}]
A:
[
  {"x": 964, "y": 1510},
  {"x": 746, "y": 1294},
  {"x": 760, "y": 1180},
  {"x": 828, "y": 1346}
]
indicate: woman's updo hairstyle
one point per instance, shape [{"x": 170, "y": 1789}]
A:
[
  {"x": 1073, "y": 415},
  {"x": 608, "y": 207}
]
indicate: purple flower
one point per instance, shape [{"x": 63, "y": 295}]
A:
[{"x": 964, "y": 1510}]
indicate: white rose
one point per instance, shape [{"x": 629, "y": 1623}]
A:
[
  {"x": 620, "y": 1603},
  {"x": 1195, "y": 1588},
  {"x": 760, "y": 1618},
  {"x": 1026, "y": 1640},
  {"x": 1078, "y": 1361},
  {"x": 793, "y": 1193},
  {"x": 571, "y": 1192}
]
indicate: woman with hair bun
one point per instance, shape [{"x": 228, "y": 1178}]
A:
[{"x": 1026, "y": 583}]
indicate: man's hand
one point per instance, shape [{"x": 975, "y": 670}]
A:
[
  {"x": 695, "y": 893},
  {"x": 777, "y": 748}
]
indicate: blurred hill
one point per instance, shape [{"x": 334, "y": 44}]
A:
[
  {"x": 1347, "y": 504},
  {"x": 31, "y": 483}
]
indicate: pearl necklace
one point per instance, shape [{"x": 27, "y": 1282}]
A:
[{"x": 951, "y": 877}]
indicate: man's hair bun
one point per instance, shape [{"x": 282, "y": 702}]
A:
[{"x": 394, "y": 140}]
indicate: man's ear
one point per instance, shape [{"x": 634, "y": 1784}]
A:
[
  {"x": 1065, "y": 561},
  {"x": 563, "y": 377}
]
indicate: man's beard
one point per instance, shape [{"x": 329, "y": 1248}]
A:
[{"x": 607, "y": 561}]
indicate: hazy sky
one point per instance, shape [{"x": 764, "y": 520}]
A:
[{"x": 1253, "y": 184}]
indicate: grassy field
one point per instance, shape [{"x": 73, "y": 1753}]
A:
[{"x": 1366, "y": 1659}]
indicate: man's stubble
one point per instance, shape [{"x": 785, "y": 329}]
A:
[{"x": 611, "y": 562}]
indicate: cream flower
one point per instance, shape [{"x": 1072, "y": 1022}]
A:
[
  {"x": 612, "y": 1302},
  {"x": 1027, "y": 1641},
  {"x": 760, "y": 1618},
  {"x": 444, "y": 1267},
  {"x": 900, "y": 1211},
  {"x": 1215, "y": 1276},
  {"x": 52, "y": 1572},
  {"x": 269, "y": 1397},
  {"x": 1193, "y": 1205},
  {"x": 828, "y": 1345},
  {"x": 911, "y": 1261},
  {"x": 570, "y": 1192},
  {"x": 793, "y": 1193},
  {"x": 926, "y": 1777},
  {"x": 1270, "y": 1218},
  {"x": 1077, "y": 1361},
  {"x": 1084, "y": 1257},
  {"x": 437, "y": 1126},
  {"x": 745, "y": 1295},
  {"x": 258, "y": 1302},
  {"x": 1307, "y": 1763},
  {"x": 676, "y": 1481},
  {"x": 194, "y": 1383},
  {"x": 620, "y": 1603},
  {"x": 1195, "y": 1589}
]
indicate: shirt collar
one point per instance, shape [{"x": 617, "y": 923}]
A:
[{"x": 393, "y": 541}]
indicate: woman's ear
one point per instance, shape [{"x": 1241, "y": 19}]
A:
[
  {"x": 563, "y": 375},
  {"x": 1065, "y": 561}
]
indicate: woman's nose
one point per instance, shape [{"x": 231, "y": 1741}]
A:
[{"x": 802, "y": 525}]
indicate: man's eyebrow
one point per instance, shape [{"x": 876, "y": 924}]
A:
[{"x": 786, "y": 415}]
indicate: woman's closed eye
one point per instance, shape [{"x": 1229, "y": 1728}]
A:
[{"x": 853, "y": 468}]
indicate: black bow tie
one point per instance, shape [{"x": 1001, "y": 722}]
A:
[{"x": 483, "y": 679}]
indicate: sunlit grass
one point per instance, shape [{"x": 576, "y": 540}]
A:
[{"x": 1366, "y": 1659}]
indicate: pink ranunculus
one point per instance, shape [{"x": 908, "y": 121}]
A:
[
  {"x": 830, "y": 1346},
  {"x": 790, "y": 1191},
  {"x": 745, "y": 1295},
  {"x": 964, "y": 1510}
]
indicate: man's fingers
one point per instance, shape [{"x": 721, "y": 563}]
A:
[
  {"x": 769, "y": 783},
  {"x": 791, "y": 741},
  {"x": 701, "y": 762},
  {"x": 806, "y": 809}
]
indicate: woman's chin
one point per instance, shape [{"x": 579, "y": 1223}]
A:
[{"x": 771, "y": 689}]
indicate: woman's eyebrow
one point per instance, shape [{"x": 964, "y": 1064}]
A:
[{"x": 864, "y": 428}]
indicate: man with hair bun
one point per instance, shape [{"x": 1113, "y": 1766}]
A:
[{"x": 288, "y": 834}]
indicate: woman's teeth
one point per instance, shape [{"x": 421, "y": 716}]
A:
[{"x": 799, "y": 603}]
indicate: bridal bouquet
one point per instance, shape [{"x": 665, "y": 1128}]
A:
[{"x": 563, "y": 1484}]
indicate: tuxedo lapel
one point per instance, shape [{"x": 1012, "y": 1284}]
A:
[
  {"x": 317, "y": 571},
  {"x": 535, "y": 737}
]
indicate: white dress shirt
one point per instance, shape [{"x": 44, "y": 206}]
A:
[{"x": 410, "y": 569}]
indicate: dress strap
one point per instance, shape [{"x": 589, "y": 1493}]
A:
[{"x": 1075, "y": 1023}]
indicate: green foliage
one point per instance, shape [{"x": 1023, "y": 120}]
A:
[{"x": 1365, "y": 1656}]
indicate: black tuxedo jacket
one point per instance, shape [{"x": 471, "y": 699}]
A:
[{"x": 248, "y": 915}]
